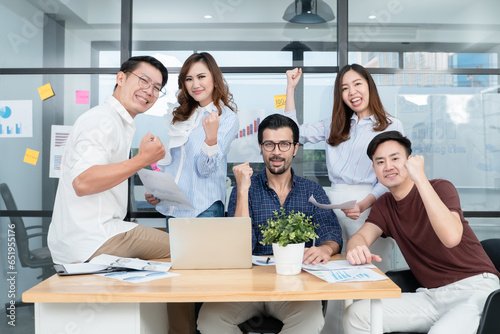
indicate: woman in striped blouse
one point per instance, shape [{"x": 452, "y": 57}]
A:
[
  {"x": 358, "y": 115},
  {"x": 200, "y": 131}
]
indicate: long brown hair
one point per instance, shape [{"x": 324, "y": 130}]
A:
[
  {"x": 220, "y": 93},
  {"x": 341, "y": 114}
]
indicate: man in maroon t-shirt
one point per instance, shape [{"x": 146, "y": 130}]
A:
[{"x": 425, "y": 219}]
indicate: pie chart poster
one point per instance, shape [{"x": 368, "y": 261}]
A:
[{"x": 16, "y": 118}]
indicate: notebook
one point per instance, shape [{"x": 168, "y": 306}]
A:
[{"x": 211, "y": 243}]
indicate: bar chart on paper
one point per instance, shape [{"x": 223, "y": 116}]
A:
[{"x": 16, "y": 118}]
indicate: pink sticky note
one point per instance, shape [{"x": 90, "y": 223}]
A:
[
  {"x": 155, "y": 168},
  {"x": 82, "y": 97}
]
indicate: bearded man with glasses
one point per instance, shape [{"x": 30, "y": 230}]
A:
[{"x": 257, "y": 197}]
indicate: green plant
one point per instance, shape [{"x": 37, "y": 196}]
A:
[{"x": 284, "y": 229}]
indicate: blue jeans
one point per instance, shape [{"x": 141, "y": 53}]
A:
[{"x": 215, "y": 210}]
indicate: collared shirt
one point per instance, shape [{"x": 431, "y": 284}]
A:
[
  {"x": 263, "y": 201},
  {"x": 347, "y": 163},
  {"x": 200, "y": 170},
  {"x": 80, "y": 225}
]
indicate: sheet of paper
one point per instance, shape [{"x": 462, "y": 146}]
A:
[
  {"x": 137, "y": 276},
  {"x": 125, "y": 262},
  {"x": 82, "y": 97},
  {"x": 83, "y": 268},
  {"x": 279, "y": 101},
  {"x": 346, "y": 205},
  {"x": 263, "y": 260},
  {"x": 45, "y": 91},
  {"x": 58, "y": 138},
  {"x": 16, "y": 118},
  {"x": 347, "y": 275},
  {"x": 31, "y": 156},
  {"x": 163, "y": 186},
  {"x": 336, "y": 265}
]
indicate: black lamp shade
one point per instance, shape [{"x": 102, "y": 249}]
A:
[{"x": 308, "y": 12}]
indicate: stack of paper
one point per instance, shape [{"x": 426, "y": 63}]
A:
[
  {"x": 142, "y": 270},
  {"x": 343, "y": 271}
]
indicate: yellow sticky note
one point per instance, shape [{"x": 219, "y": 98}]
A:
[
  {"x": 279, "y": 101},
  {"x": 31, "y": 156},
  {"x": 45, "y": 91}
]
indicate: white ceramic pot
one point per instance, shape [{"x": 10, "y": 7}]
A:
[{"x": 288, "y": 259}]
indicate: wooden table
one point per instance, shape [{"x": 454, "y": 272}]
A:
[{"x": 93, "y": 304}]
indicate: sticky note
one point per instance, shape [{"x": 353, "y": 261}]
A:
[
  {"x": 279, "y": 101},
  {"x": 45, "y": 91},
  {"x": 31, "y": 156},
  {"x": 82, "y": 97}
]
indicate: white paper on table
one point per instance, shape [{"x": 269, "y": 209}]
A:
[
  {"x": 138, "y": 276},
  {"x": 346, "y": 205},
  {"x": 130, "y": 263},
  {"x": 336, "y": 265},
  {"x": 84, "y": 268},
  {"x": 163, "y": 186},
  {"x": 263, "y": 260},
  {"x": 347, "y": 275}
]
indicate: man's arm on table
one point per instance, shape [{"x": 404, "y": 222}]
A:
[
  {"x": 321, "y": 253},
  {"x": 357, "y": 249}
]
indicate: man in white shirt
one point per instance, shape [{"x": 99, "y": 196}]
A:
[{"x": 91, "y": 199}]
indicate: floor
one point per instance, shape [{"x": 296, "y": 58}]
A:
[{"x": 24, "y": 321}]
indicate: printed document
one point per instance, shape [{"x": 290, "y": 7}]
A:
[
  {"x": 346, "y": 205},
  {"x": 163, "y": 186}
]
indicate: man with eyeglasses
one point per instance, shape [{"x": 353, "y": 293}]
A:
[
  {"x": 257, "y": 197},
  {"x": 92, "y": 195}
]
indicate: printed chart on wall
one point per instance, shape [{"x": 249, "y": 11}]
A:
[
  {"x": 457, "y": 134},
  {"x": 58, "y": 138},
  {"x": 16, "y": 118},
  {"x": 245, "y": 146}
]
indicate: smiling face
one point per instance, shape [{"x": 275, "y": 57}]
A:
[
  {"x": 200, "y": 83},
  {"x": 389, "y": 166},
  {"x": 276, "y": 161},
  {"x": 356, "y": 93},
  {"x": 133, "y": 98}
]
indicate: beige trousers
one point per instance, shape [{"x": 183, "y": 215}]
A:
[
  {"x": 142, "y": 242},
  {"x": 149, "y": 243}
]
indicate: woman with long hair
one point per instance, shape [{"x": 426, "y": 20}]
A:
[
  {"x": 200, "y": 132},
  {"x": 358, "y": 115}
]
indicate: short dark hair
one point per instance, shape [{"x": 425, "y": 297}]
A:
[
  {"x": 386, "y": 136},
  {"x": 131, "y": 64},
  {"x": 277, "y": 121}
]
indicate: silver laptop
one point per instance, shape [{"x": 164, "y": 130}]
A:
[{"x": 211, "y": 243}]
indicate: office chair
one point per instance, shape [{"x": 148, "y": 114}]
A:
[
  {"x": 263, "y": 324},
  {"x": 30, "y": 258},
  {"x": 490, "y": 321}
]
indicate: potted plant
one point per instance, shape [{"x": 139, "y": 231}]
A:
[{"x": 288, "y": 233}]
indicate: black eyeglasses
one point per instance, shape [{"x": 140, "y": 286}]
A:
[
  {"x": 283, "y": 146},
  {"x": 145, "y": 82}
]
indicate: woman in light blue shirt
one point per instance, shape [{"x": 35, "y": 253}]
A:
[
  {"x": 358, "y": 115},
  {"x": 200, "y": 132}
]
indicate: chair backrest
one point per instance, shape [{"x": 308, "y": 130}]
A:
[
  {"x": 492, "y": 248},
  {"x": 21, "y": 235},
  {"x": 490, "y": 322}
]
